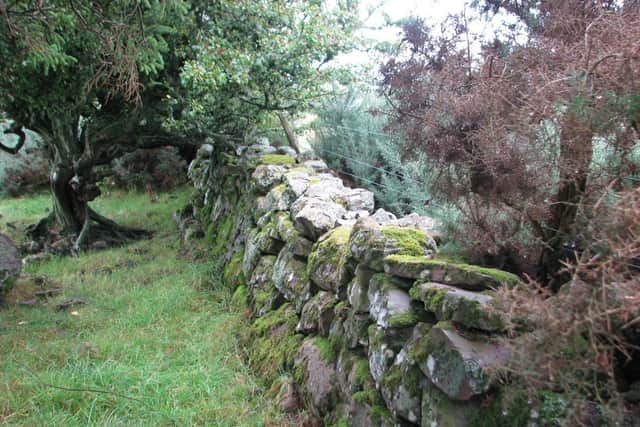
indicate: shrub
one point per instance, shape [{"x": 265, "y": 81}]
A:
[
  {"x": 159, "y": 169},
  {"x": 351, "y": 138},
  {"x": 584, "y": 341}
]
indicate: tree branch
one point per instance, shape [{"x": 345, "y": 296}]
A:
[{"x": 15, "y": 128}]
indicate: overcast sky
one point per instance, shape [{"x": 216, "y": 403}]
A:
[{"x": 433, "y": 11}]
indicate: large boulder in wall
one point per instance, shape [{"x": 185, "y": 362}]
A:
[
  {"x": 10, "y": 264},
  {"x": 370, "y": 243}
]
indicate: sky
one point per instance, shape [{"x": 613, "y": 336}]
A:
[{"x": 433, "y": 11}]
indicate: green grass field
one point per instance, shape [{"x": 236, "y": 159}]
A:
[{"x": 154, "y": 345}]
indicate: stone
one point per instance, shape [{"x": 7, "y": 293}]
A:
[
  {"x": 410, "y": 267},
  {"x": 384, "y": 345},
  {"x": 262, "y": 149},
  {"x": 383, "y": 217},
  {"x": 296, "y": 182},
  {"x": 275, "y": 200},
  {"x": 301, "y": 247},
  {"x": 288, "y": 151},
  {"x": 460, "y": 367},
  {"x": 326, "y": 264},
  {"x": 251, "y": 253},
  {"x": 317, "y": 377},
  {"x": 357, "y": 199},
  {"x": 370, "y": 243},
  {"x": 429, "y": 226},
  {"x": 402, "y": 385},
  {"x": 285, "y": 228},
  {"x": 364, "y": 414},
  {"x": 469, "y": 309},
  {"x": 357, "y": 291},
  {"x": 266, "y": 241},
  {"x": 466, "y": 276},
  {"x": 314, "y": 217},
  {"x": 190, "y": 230},
  {"x": 286, "y": 395},
  {"x": 263, "y": 295},
  {"x": 317, "y": 314},
  {"x": 198, "y": 168},
  {"x": 326, "y": 187},
  {"x": 353, "y": 373},
  {"x": 390, "y": 306},
  {"x": 271, "y": 343},
  {"x": 351, "y": 217},
  {"x": 290, "y": 278},
  {"x": 317, "y": 165},
  {"x": 356, "y": 327},
  {"x": 10, "y": 264},
  {"x": 266, "y": 177},
  {"x": 205, "y": 151},
  {"x": 337, "y": 328},
  {"x": 438, "y": 410}
]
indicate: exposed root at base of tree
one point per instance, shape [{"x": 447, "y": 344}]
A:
[{"x": 97, "y": 232}]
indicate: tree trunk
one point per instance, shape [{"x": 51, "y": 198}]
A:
[
  {"x": 73, "y": 186},
  {"x": 291, "y": 137},
  {"x": 576, "y": 152}
]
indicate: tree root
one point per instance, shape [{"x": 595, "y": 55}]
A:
[{"x": 97, "y": 232}]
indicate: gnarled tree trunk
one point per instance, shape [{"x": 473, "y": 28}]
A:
[{"x": 73, "y": 186}]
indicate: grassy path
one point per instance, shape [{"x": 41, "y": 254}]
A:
[{"x": 153, "y": 334}]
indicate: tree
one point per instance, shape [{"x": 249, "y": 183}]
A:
[
  {"x": 515, "y": 130},
  {"x": 266, "y": 56},
  {"x": 92, "y": 80}
]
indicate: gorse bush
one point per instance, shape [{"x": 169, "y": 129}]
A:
[
  {"x": 158, "y": 168},
  {"x": 585, "y": 340},
  {"x": 527, "y": 133},
  {"x": 351, "y": 138}
]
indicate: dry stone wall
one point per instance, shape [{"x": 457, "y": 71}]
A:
[{"x": 354, "y": 315}]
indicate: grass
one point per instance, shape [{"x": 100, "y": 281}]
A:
[{"x": 154, "y": 334}]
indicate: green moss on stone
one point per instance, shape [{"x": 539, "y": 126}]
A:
[
  {"x": 261, "y": 297},
  {"x": 499, "y": 275},
  {"x": 468, "y": 270},
  {"x": 402, "y": 320},
  {"x": 366, "y": 397},
  {"x": 219, "y": 235},
  {"x": 232, "y": 275},
  {"x": 239, "y": 297},
  {"x": 271, "y": 343},
  {"x": 433, "y": 298},
  {"x": 327, "y": 352},
  {"x": 277, "y": 159},
  {"x": 379, "y": 413},
  {"x": 361, "y": 373},
  {"x": 406, "y": 259},
  {"x": 282, "y": 316},
  {"x": 410, "y": 241},
  {"x": 421, "y": 349}
]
